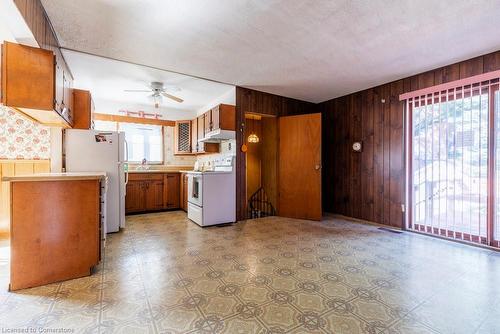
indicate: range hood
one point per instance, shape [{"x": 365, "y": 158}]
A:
[{"x": 216, "y": 136}]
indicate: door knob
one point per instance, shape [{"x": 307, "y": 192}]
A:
[{"x": 317, "y": 167}]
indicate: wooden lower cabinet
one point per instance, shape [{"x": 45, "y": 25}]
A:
[
  {"x": 171, "y": 191},
  {"x": 154, "y": 195},
  {"x": 152, "y": 192},
  {"x": 55, "y": 230},
  {"x": 134, "y": 199}
]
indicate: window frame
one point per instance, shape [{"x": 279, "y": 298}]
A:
[
  {"x": 472, "y": 86},
  {"x": 162, "y": 151}
]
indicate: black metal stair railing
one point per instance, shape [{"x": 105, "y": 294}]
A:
[{"x": 259, "y": 205}]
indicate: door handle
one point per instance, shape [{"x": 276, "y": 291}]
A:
[{"x": 317, "y": 167}]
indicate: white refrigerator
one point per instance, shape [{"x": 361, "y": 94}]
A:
[{"x": 101, "y": 151}]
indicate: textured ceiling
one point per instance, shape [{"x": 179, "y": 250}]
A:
[
  {"x": 107, "y": 79},
  {"x": 310, "y": 50}
]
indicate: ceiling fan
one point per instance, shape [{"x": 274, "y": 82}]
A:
[{"x": 158, "y": 89}]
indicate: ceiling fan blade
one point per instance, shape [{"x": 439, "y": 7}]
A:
[
  {"x": 137, "y": 90},
  {"x": 172, "y": 97},
  {"x": 172, "y": 88}
]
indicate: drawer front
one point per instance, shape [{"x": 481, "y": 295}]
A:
[
  {"x": 145, "y": 176},
  {"x": 195, "y": 213}
]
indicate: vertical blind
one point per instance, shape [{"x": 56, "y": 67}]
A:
[{"x": 454, "y": 163}]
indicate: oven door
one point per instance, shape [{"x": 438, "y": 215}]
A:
[{"x": 195, "y": 189}]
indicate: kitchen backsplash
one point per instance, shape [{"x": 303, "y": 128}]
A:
[
  {"x": 227, "y": 147},
  {"x": 21, "y": 138},
  {"x": 170, "y": 159}
]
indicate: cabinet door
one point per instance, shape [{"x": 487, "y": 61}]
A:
[
  {"x": 182, "y": 137},
  {"x": 208, "y": 122},
  {"x": 134, "y": 200},
  {"x": 194, "y": 136},
  {"x": 66, "y": 106},
  {"x": 172, "y": 190},
  {"x": 201, "y": 133},
  {"x": 27, "y": 77},
  {"x": 59, "y": 87},
  {"x": 215, "y": 113},
  {"x": 82, "y": 109},
  {"x": 226, "y": 117},
  {"x": 154, "y": 195}
]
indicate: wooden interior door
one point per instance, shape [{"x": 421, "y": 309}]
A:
[{"x": 300, "y": 166}]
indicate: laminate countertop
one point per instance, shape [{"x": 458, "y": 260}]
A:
[
  {"x": 56, "y": 177},
  {"x": 156, "y": 171}
]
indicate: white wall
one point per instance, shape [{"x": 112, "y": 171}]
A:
[
  {"x": 55, "y": 150},
  {"x": 227, "y": 98},
  {"x": 13, "y": 27},
  {"x": 113, "y": 107}
]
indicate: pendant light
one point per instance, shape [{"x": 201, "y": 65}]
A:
[{"x": 253, "y": 138}]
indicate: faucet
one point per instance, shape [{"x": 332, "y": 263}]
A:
[{"x": 144, "y": 165}]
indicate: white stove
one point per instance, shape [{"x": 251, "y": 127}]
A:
[{"x": 212, "y": 194}]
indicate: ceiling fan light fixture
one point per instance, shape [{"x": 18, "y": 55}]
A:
[
  {"x": 158, "y": 90},
  {"x": 157, "y": 100}
]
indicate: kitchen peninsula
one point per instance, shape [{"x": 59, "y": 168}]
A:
[{"x": 55, "y": 227}]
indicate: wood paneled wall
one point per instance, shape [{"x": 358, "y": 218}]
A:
[
  {"x": 12, "y": 168},
  {"x": 269, "y": 166},
  {"x": 36, "y": 18},
  {"x": 255, "y": 102},
  {"x": 370, "y": 185},
  {"x": 39, "y": 24}
]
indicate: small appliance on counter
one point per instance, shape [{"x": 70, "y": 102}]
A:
[{"x": 212, "y": 193}]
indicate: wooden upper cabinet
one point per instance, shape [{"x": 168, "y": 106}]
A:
[
  {"x": 223, "y": 117},
  {"x": 182, "y": 137},
  {"x": 27, "y": 77},
  {"x": 83, "y": 109},
  {"x": 201, "y": 133},
  {"x": 207, "y": 122},
  {"x": 33, "y": 83},
  {"x": 189, "y": 133},
  {"x": 194, "y": 136},
  {"x": 214, "y": 118}
]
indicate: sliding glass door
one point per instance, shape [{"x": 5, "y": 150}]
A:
[
  {"x": 496, "y": 189},
  {"x": 454, "y": 162}
]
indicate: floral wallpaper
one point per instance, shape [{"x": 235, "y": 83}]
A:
[{"x": 21, "y": 138}]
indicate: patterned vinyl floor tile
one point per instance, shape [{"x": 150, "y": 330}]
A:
[{"x": 164, "y": 274}]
